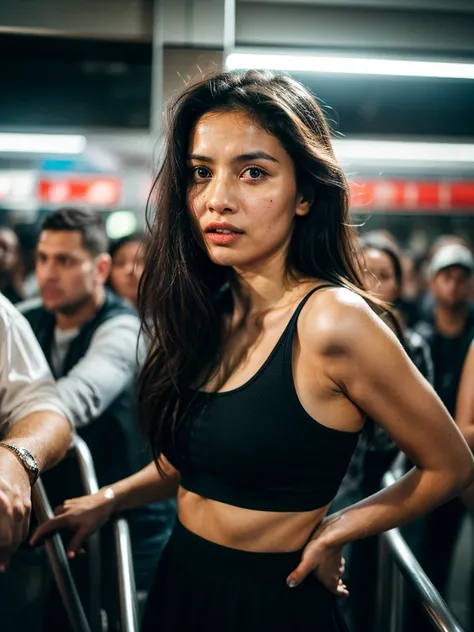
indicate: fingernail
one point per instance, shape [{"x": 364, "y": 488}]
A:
[
  {"x": 292, "y": 583},
  {"x": 2, "y": 568},
  {"x": 70, "y": 555}
]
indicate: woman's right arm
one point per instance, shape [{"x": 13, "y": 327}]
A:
[
  {"x": 146, "y": 486},
  {"x": 86, "y": 514}
]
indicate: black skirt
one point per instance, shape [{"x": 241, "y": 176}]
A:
[{"x": 205, "y": 587}]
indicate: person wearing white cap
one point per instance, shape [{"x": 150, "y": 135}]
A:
[{"x": 449, "y": 332}]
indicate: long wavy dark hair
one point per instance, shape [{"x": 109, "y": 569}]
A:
[{"x": 180, "y": 296}]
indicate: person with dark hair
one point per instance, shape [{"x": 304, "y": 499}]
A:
[
  {"x": 265, "y": 356},
  {"x": 90, "y": 339},
  {"x": 128, "y": 258},
  {"x": 382, "y": 262},
  {"x": 10, "y": 273}
]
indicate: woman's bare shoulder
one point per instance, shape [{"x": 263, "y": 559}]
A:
[{"x": 337, "y": 319}]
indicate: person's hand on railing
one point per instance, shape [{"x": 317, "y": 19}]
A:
[
  {"x": 15, "y": 506},
  {"x": 82, "y": 515}
]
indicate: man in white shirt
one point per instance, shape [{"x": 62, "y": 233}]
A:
[
  {"x": 34, "y": 432},
  {"x": 35, "y": 436}
]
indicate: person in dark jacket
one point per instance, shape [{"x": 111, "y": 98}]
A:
[{"x": 90, "y": 338}]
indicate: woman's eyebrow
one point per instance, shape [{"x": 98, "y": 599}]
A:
[{"x": 254, "y": 155}]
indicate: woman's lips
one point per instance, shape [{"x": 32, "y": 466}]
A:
[{"x": 222, "y": 239}]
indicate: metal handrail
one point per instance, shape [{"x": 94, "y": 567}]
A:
[
  {"x": 60, "y": 566},
  {"x": 89, "y": 484},
  {"x": 123, "y": 548},
  {"x": 396, "y": 554},
  {"x": 126, "y": 577},
  {"x": 59, "y": 563}
]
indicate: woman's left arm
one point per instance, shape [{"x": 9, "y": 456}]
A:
[{"x": 366, "y": 362}]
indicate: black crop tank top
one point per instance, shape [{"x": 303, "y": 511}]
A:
[{"x": 256, "y": 447}]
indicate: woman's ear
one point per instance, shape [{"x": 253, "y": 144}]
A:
[{"x": 304, "y": 202}]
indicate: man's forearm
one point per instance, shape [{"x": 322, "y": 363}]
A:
[{"x": 46, "y": 434}]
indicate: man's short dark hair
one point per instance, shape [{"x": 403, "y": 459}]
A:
[{"x": 85, "y": 221}]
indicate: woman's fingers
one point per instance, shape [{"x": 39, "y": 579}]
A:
[
  {"x": 74, "y": 545},
  {"x": 341, "y": 590},
  {"x": 49, "y": 526},
  {"x": 303, "y": 569}
]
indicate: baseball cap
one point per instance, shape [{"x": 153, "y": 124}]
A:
[{"x": 451, "y": 255}]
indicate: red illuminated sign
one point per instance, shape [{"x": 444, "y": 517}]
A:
[
  {"x": 93, "y": 191},
  {"x": 412, "y": 195}
]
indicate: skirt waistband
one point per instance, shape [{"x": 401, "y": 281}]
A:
[{"x": 195, "y": 550}]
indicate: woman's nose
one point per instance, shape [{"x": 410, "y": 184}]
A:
[{"x": 221, "y": 196}]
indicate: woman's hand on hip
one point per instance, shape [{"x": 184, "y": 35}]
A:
[{"x": 326, "y": 563}]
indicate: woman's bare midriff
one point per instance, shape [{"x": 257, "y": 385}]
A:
[{"x": 247, "y": 529}]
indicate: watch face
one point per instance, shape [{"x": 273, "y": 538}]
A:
[{"x": 29, "y": 459}]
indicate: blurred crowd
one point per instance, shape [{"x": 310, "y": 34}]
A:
[
  {"x": 17, "y": 270},
  {"x": 433, "y": 301}
]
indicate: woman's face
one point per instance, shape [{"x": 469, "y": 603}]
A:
[
  {"x": 242, "y": 181},
  {"x": 380, "y": 275},
  {"x": 126, "y": 270}
]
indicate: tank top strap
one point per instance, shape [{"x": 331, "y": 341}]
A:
[
  {"x": 304, "y": 300},
  {"x": 289, "y": 334}
]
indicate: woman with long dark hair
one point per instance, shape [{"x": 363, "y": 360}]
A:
[{"x": 266, "y": 355}]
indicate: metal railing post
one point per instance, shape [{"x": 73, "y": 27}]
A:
[
  {"x": 126, "y": 578},
  {"x": 408, "y": 567},
  {"x": 59, "y": 563},
  {"x": 90, "y": 486}
]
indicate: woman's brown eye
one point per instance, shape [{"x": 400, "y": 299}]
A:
[
  {"x": 202, "y": 172},
  {"x": 254, "y": 172}
]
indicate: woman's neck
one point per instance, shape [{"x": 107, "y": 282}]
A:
[{"x": 256, "y": 291}]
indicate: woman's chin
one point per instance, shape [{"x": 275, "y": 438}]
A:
[{"x": 229, "y": 259}]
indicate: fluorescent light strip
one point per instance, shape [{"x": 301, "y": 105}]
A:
[
  {"x": 42, "y": 143},
  {"x": 373, "y": 150},
  {"x": 350, "y": 65}
]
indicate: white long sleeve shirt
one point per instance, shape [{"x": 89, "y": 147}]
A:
[
  {"x": 26, "y": 383},
  {"x": 110, "y": 363},
  {"x": 107, "y": 368}
]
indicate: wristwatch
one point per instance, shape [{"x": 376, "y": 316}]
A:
[{"x": 26, "y": 459}]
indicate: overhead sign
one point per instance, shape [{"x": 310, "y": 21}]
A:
[
  {"x": 103, "y": 192},
  {"x": 412, "y": 195}
]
